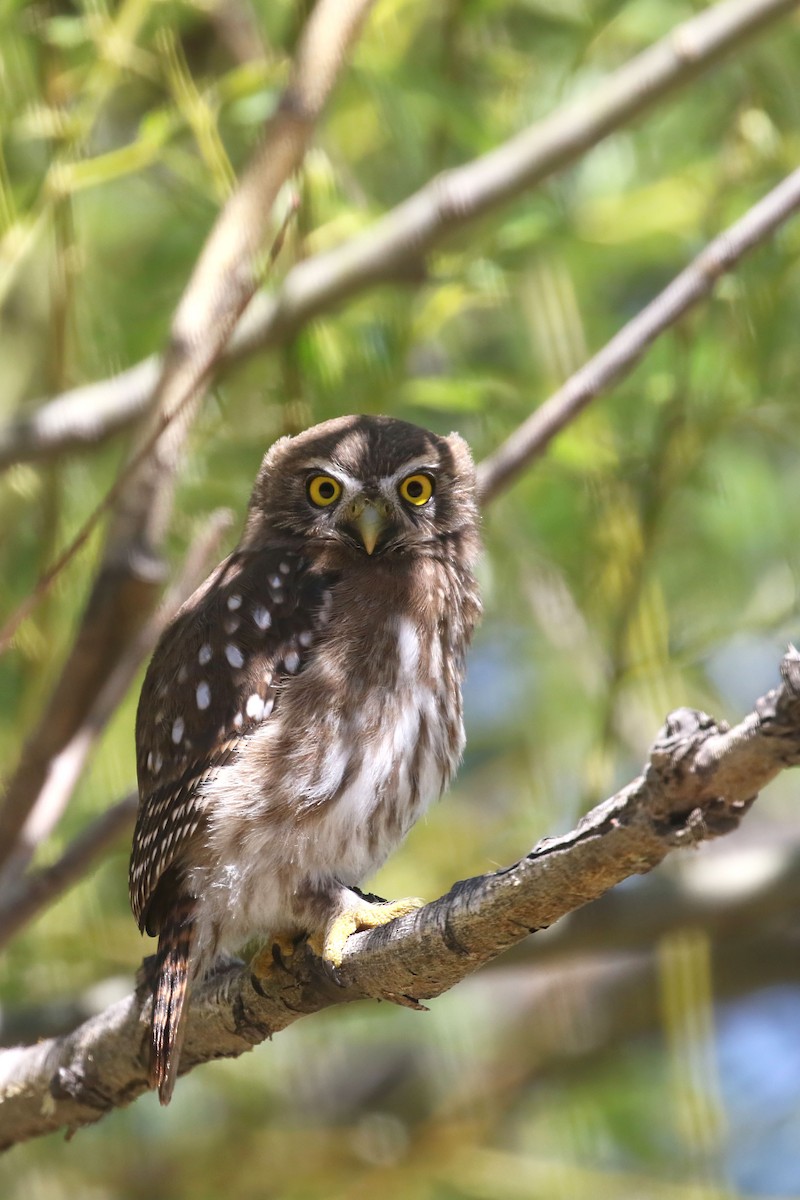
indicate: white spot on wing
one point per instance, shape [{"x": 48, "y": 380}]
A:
[
  {"x": 284, "y": 568},
  {"x": 178, "y": 727},
  {"x": 154, "y": 762},
  {"x": 262, "y": 617},
  {"x": 292, "y": 661},
  {"x": 234, "y": 601},
  {"x": 305, "y": 637},
  {"x": 205, "y": 654},
  {"x": 255, "y": 707},
  {"x": 238, "y": 721},
  {"x": 234, "y": 655},
  {"x": 203, "y": 695}
]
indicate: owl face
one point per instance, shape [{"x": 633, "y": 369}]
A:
[{"x": 374, "y": 485}]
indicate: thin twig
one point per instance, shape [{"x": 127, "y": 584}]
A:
[
  {"x": 624, "y": 350},
  {"x": 38, "y": 889},
  {"x": 387, "y": 250}
]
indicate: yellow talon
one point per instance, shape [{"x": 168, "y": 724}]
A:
[{"x": 363, "y": 915}]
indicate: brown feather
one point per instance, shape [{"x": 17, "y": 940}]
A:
[{"x": 174, "y": 961}]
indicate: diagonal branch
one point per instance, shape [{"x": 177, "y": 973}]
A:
[
  {"x": 22, "y": 896},
  {"x": 621, "y": 354},
  {"x": 700, "y": 780},
  {"x": 227, "y": 274},
  {"x": 391, "y": 247},
  {"x": 27, "y": 896}
]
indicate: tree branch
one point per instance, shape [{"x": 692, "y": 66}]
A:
[
  {"x": 700, "y": 780},
  {"x": 384, "y": 252},
  {"x": 621, "y": 354},
  {"x": 23, "y": 896},
  {"x": 27, "y": 896},
  {"x": 65, "y": 770},
  {"x": 227, "y": 274}
]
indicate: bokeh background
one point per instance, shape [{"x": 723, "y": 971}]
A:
[{"x": 651, "y": 1046}]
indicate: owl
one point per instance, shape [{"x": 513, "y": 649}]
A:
[{"x": 304, "y": 705}]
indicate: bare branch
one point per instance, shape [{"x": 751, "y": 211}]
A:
[
  {"x": 225, "y": 277},
  {"x": 393, "y": 246},
  {"x": 624, "y": 350},
  {"x": 26, "y": 898},
  {"x": 23, "y": 897},
  {"x": 700, "y": 780}
]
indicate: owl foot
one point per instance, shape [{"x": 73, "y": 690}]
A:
[
  {"x": 279, "y": 947},
  {"x": 362, "y": 915}
]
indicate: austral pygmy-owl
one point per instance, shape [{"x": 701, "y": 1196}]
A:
[{"x": 304, "y": 706}]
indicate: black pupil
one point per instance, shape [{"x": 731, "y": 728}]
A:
[
  {"x": 327, "y": 490},
  {"x": 414, "y": 488}
]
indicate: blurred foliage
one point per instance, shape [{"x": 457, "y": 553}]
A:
[{"x": 649, "y": 561}]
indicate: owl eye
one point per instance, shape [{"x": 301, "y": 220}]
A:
[
  {"x": 417, "y": 489},
  {"x": 323, "y": 490}
]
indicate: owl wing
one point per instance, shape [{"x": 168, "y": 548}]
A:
[{"x": 216, "y": 674}]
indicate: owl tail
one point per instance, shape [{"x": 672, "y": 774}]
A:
[{"x": 173, "y": 971}]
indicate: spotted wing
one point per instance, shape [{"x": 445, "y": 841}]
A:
[{"x": 216, "y": 674}]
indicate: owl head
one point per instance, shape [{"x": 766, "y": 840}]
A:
[{"x": 375, "y": 486}]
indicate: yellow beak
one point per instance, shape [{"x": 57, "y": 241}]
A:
[{"x": 369, "y": 523}]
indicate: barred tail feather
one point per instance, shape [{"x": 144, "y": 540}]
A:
[{"x": 174, "y": 968}]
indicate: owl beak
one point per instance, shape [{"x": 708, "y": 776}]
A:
[{"x": 369, "y": 523}]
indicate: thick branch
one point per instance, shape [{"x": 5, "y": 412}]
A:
[
  {"x": 699, "y": 782},
  {"x": 384, "y": 252}
]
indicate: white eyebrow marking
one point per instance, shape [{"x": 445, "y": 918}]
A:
[
  {"x": 348, "y": 482},
  {"x": 409, "y": 468}
]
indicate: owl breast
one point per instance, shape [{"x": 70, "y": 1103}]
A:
[{"x": 361, "y": 741}]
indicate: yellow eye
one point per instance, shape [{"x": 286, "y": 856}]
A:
[
  {"x": 323, "y": 490},
  {"x": 417, "y": 489}
]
